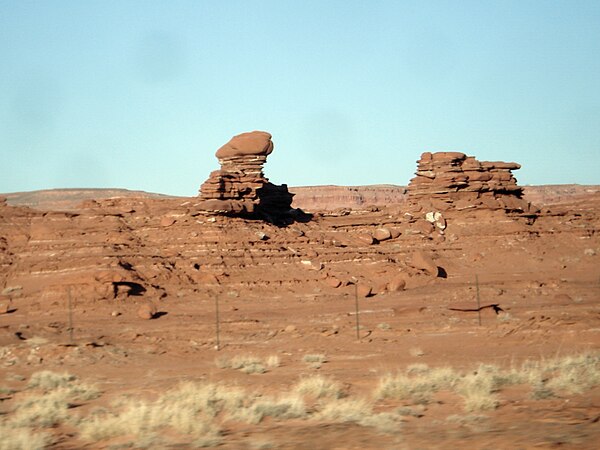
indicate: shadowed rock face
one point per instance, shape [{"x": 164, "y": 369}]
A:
[
  {"x": 240, "y": 187},
  {"x": 454, "y": 180}
]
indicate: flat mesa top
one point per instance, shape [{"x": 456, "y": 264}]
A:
[{"x": 252, "y": 143}]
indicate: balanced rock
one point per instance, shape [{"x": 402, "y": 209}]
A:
[
  {"x": 253, "y": 143},
  {"x": 453, "y": 180},
  {"x": 240, "y": 187}
]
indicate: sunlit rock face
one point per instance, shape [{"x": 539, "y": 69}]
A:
[
  {"x": 454, "y": 180},
  {"x": 240, "y": 187}
]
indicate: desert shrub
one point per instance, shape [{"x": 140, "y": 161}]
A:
[
  {"x": 359, "y": 411},
  {"x": 273, "y": 361},
  {"x": 539, "y": 391},
  {"x": 408, "y": 411},
  {"x": 345, "y": 410},
  {"x": 69, "y": 386},
  {"x": 574, "y": 374},
  {"x": 285, "y": 407},
  {"x": 248, "y": 363},
  {"x": 416, "y": 351},
  {"x": 315, "y": 360},
  {"x": 385, "y": 422},
  {"x": 44, "y": 410},
  {"x": 51, "y": 407},
  {"x": 318, "y": 386},
  {"x": 477, "y": 390},
  {"x": 17, "y": 438},
  {"x": 189, "y": 409},
  {"x": 47, "y": 380},
  {"x": 418, "y": 384}
]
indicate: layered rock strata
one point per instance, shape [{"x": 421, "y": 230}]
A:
[
  {"x": 454, "y": 180},
  {"x": 240, "y": 186}
]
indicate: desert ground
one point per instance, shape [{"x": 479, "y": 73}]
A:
[{"x": 498, "y": 348}]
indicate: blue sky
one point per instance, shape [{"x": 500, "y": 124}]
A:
[{"x": 140, "y": 94}]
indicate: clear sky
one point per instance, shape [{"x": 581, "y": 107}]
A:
[{"x": 140, "y": 94}]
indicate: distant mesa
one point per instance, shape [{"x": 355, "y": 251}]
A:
[
  {"x": 453, "y": 180},
  {"x": 240, "y": 188}
]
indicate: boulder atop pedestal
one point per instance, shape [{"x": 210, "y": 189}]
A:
[{"x": 239, "y": 187}]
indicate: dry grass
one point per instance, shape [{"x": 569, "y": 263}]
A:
[
  {"x": 15, "y": 438},
  {"x": 44, "y": 410},
  {"x": 193, "y": 414},
  {"x": 359, "y": 411},
  {"x": 47, "y": 403},
  {"x": 49, "y": 406},
  {"x": 47, "y": 380},
  {"x": 248, "y": 364},
  {"x": 188, "y": 410},
  {"x": 572, "y": 374},
  {"x": 273, "y": 361},
  {"x": 318, "y": 386},
  {"x": 280, "y": 408},
  {"x": 417, "y": 384},
  {"x": 416, "y": 351},
  {"x": 345, "y": 410},
  {"x": 479, "y": 389},
  {"x": 315, "y": 360}
]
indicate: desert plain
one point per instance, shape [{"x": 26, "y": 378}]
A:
[{"x": 376, "y": 317}]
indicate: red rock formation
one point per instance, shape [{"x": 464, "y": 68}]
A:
[
  {"x": 455, "y": 180},
  {"x": 240, "y": 187}
]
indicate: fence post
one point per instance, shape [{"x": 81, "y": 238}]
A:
[
  {"x": 478, "y": 299},
  {"x": 356, "y": 305},
  {"x": 217, "y": 321}
]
